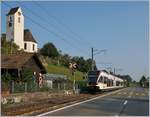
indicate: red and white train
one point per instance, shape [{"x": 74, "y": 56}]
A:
[{"x": 102, "y": 80}]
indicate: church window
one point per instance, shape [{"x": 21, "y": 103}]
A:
[
  {"x": 10, "y": 24},
  {"x": 10, "y": 19},
  {"x": 33, "y": 46},
  {"x": 19, "y": 13},
  {"x": 18, "y": 19},
  {"x": 25, "y": 46}
]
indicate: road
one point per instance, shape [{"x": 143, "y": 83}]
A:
[{"x": 131, "y": 101}]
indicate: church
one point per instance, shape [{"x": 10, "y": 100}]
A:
[{"x": 16, "y": 33}]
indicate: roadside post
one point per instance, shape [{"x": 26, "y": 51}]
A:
[{"x": 73, "y": 67}]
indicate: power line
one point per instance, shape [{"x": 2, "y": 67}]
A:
[
  {"x": 46, "y": 29},
  {"x": 61, "y": 23},
  {"x": 42, "y": 18}
]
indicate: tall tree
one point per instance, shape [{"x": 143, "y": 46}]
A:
[
  {"x": 143, "y": 81},
  {"x": 65, "y": 60},
  {"x": 49, "y": 50}
]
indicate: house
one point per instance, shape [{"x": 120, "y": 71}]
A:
[
  {"x": 15, "y": 63},
  {"x": 15, "y": 31}
]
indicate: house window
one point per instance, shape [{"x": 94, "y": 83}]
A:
[
  {"x": 33, "y": 47},
  {"x": 18, "y": 19},
  {"x": 25, "y": 46}
]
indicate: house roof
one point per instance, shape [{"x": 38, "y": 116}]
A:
[
  {"x": 28, "y": 36},
  {"x": 13, "y": 11},
  {"x": 56, "y": 77},
  {"x": 15, "y": 61}
]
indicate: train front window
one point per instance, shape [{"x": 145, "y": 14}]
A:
[
  {"x": 100, "y": 79},
  {"x": 92, "y": 78}
]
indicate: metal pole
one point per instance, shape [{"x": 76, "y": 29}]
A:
[
  {"x": 74, "y": 83},
  {"x": 92, "y": 67}
]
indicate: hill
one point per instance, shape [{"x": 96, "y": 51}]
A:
[{"x": 65, "y": 71}]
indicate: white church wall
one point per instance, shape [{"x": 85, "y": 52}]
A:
[
  {"x": 9, "y": 29},
  {"x": 29, "y": 46},
  {"x": 16, "y": 31},
  {"x": 19, "y": 29}
]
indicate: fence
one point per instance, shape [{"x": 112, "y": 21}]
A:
[
  {"x": 52, "y": 83},
  {"x": 31, "y": 86}
]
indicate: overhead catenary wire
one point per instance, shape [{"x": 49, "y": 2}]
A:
[
  {"x": 77, "y": 37},
  {"x": 42, "y": 18},
  {"x": 48, "y": 30}
]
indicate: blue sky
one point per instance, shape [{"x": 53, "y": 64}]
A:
[{"x": 75, "y": 27}]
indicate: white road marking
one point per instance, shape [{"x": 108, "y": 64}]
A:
[
  {"x": 78, "y": 103},
  {"x": 125, "y": 102}
]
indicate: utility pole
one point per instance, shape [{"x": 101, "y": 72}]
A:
[
  {"x": 92, "y": 61},
  {"x": 95, "y": 52},
  {"x": 114, "y": 70},
  {"x": 73, "y": 67}
]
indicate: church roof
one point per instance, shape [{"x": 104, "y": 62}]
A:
[
  {"x": 28, "y": 36},
  {"x": 13, "y": 11}
]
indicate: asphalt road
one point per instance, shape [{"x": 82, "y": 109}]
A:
[{"x": 132, "y": 101}]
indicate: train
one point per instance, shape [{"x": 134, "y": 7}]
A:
[{"x": 101, "y": 80}]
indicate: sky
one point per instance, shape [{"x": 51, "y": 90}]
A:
[{"x": 121, "y": 28}]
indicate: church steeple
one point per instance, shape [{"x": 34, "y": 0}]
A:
[{"x": 15, "y": 26}]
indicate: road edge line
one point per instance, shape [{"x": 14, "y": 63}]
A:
[{"x": 49, "y": 112}]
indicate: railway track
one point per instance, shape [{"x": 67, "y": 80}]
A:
[{"x": 44, "y": 105}]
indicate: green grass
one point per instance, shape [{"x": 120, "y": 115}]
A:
[{"x": 65, "y": 71}]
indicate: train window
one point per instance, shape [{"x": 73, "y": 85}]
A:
[
  {"x": 100, "y": 79},
  {"x": 111, "y": 82},
  {"x": 108, "y": 82},
  {"x": 105, "y": 80},
  {"x": 117, "y": 83}
]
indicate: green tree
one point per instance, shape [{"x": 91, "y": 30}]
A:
[
  {"x": 8, "y": 47},
  {"x": 65, "y": 60},
  {"x": 83, "y": 65},
  {"x": 5, "y": 80},
  {"x": 143, "y": 81},
  {"x": 26, "y": 75},
  {"x": 126, "y": 78},
  {"x": 6, "y": 77},
  {"x": 49, "y": 50}
]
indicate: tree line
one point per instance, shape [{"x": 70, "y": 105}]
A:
[
  {"x": 144, "y": 81},
  {"x": 50, "y": 51}
]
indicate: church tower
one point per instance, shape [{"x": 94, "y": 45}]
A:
[{"x": 15, "y": 27}]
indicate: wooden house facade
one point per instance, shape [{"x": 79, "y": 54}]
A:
[{"x": 14, "y": 64}]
